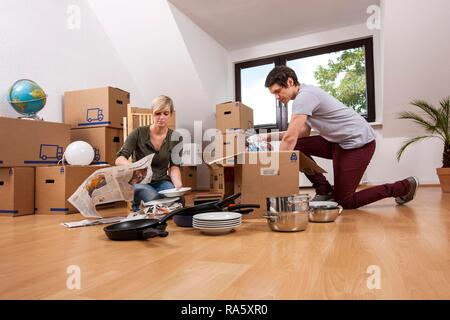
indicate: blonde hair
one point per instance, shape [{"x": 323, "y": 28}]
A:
[{"x": 162, "y": 102}]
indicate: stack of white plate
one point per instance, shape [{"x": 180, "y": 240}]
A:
[{"x": 217, "y": 222}]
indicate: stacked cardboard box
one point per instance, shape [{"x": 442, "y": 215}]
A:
[
  {"x": 96, "y": 116},
  {"x": 232, "y": 116},
  {"x": 31, "y": 142},
  {"x": 54, "y": 185},
  {"x": 26, "y": 144},
  {"x": 17, "y": 191},
  {"x": 105, "y": 141},
  {"x": 232, "y": 119},
  {"x": 189, "y": 177}
]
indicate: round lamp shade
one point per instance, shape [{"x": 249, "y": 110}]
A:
[{"x": 79, "y": 153}]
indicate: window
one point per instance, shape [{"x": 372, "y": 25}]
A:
[{"x": 344, "y": 70}]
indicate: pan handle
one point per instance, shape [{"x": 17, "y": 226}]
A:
[
  {"x": 242, "y": 206},
  {"x": 244, "y": 211},
  {"x": 152, "y": 232},
  {"x": 170, "y": 215},
  {"x": 228, "y": 199}
]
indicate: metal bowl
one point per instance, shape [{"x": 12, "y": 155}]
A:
[{"x": 324, "y": 214}]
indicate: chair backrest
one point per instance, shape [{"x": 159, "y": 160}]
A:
[{"x": 136, "y": 117}]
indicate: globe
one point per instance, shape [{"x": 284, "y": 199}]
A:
[{"x": 27, "y": 97}]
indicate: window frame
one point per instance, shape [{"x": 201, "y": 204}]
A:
[{"x": 282, "y": 112}]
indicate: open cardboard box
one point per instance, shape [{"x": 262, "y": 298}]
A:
[{"x": 263, "y": 174}]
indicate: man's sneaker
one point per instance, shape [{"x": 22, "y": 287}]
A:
[
  {"x": 323, "y": 197},
  {"x": 414, "y": 183}
]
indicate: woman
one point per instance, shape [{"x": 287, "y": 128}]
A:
[{"x": 154, "y": 139}]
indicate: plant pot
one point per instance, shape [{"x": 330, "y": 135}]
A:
[{"x": 444, "y": 179}]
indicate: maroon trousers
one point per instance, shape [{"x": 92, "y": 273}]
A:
[{"x": 348, "y": 167}]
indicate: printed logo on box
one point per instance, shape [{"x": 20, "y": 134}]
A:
[
  {"x": 50, "y": 151},
  {"x": 97, "y": 155},
  {"x": 94, "y": 114},
  {"x": 294, "y": 156}
]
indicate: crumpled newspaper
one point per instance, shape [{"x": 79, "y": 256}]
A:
[
  {"x": 152, "y": 212},
  {"x": 257, "y": 143}
]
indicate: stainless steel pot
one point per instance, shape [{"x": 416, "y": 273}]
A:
[
  {"x": 324, "y": 214},
  {"x": 287, "y": 214}
]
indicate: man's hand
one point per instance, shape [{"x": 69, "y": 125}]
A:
[{"x": 297, "y": 129}]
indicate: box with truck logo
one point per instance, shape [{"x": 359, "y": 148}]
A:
[
  {"x": 96, "y": 107},
  {"x": 32, "y": 142}
]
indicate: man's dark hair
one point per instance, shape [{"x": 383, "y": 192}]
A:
[{"x": 280, "y": 75}]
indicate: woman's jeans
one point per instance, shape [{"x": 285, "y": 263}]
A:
[{"x": 149, "y": 192}]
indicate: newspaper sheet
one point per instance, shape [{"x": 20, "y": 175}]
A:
[{"x": 109, "y": 185}]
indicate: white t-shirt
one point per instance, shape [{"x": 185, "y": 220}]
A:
[{"x": 333, "y": 120}]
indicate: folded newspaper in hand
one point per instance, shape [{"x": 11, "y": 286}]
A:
[{"x": 109, "y": 185}]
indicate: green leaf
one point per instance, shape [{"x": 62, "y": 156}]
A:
[{"x": 407, "y": 143}]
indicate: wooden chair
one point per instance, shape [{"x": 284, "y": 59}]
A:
[{"x": 136, "y": 117}]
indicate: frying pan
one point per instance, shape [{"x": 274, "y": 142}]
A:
[{"x": 140, "y": 229}]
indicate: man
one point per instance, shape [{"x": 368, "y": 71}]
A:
[{"x": 344, "y": 136}]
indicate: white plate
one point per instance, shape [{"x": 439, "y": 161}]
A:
[
  {"x": 315, "y": 204},
  {"x": 216, "y": 223},
  {"x": 216, "y": 231},
  {"x": 216, "y": 226},
  {"x": 175, "y": 192},
  {"x": 214, "y": 216},
  {"x": 167, "y": 201}
]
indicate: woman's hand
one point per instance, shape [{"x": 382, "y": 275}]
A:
[{"x": 178, "y": 185}]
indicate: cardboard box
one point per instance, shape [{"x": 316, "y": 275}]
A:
[
  {"x": 16, "y": 191},
  {"x": 233, "y": 115},
  {"x": 105, "y": 141},
  {"x": 54, "y": 185},
  {"x": 227, "y": 145},
  {"x": 222, "y": 180},
  {"x": 258, "y": 175},
  {"x": 189, "y": 177},
  {"x": 96, "y": 107},
  {"x": 32, "y": 142}
]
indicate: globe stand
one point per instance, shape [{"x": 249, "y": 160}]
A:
[{"x": 33, "y": 117}]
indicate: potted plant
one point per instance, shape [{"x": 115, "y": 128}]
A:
[{"x": 435, "y": 121}]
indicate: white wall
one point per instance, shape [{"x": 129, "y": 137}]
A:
[
  {"x": 416, "y": 64},
  {"x": 36, "y": 44}
]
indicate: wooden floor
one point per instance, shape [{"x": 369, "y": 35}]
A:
[{"x": 409, "y": 245}]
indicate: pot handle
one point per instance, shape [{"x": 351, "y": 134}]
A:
[
  {"x": 270, "y": 217},
  {"x": 152, "y": 232},
  {"x": 340, "y": 209}
]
